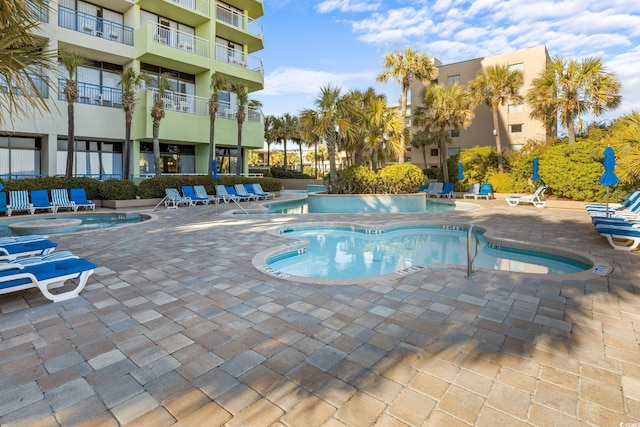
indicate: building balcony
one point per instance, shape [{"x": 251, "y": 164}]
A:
[
  {"x": 187, "y": 120},
  {"x": 255, "y": 8},
  {"x": 240, "y": 65},
  {"x": 38, "y": 86},
  {"x": 190, "y": 12},
  {"x": 239, "y": 27},
  {"x": 94, "y": 26},
  {"x": 94, "y": 94},
  {"x": 161, "y": 45}
]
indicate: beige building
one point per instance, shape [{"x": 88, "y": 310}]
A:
[{"x": 516, "y": 128}]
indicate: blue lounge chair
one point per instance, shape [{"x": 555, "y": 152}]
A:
[
  {"x": 620, "y": 238},
  {"x": 241, "y": 191},
  {"x": 16, "y": 247},
  {"x": 202, "y": 192},
  {"x": 629, "y": 212},
  {"x": 79, "y": 197},
  {"x": 3, "y": 201},
  {"x": 19, "y": 202},
  {"x": 447, "y": 190},
  {"x": 54, "y": 273},
  {"x": 257, "y": 189},
  {"x": 474, "y": 189},
  {"x": 173, "y": 199},
  {"x": 486, "y": 191},
  {"x": 60, "y": 198},
  {"x": 537, "y": 198},
  {"x": 231, "y": 190},
  {"x": 40, "y": 200},
  {"x": 614, "y": 206},
  {"x": 188, "y": 191},
  {"x": 435, "y": 188}
]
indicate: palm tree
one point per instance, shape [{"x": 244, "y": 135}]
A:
[
  {"x": 131, "y": 81},
  {"x": 157, "y": 114},
  {"x": 446, "y": 106},
  {"x": 383, "y": 124},
  {"x": 242, "y": 98},
  {"x": 270, "y": 134},
  {"x": 330, "y": 119},
  {"x": 308, "y": 131},
  {"x": 568, "y": 89},
  {"x": 405, "y": 68},
  {"x": 422, "y": 139},
  {"x": 218, "y": 82},
  {"x": 70, "y": 61},
  {"x": 285, "y": 126},
  {"x": 494, "y": 86},
  {"x": 22, "y": 58}
]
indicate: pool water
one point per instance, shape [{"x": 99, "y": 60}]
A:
[
  {"x": 302, "y": 207},
  {"x": 89, "y": 222},
  {"x": 345, "y": 252}
]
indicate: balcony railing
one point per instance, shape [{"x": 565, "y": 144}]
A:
[
  {"x": 94, "y": 25},
  {"x": 41, "y": 10},
  {"x": 191, "y": 104},
  {"x": 93, "y": 94},
  {"x": 201, "y": 6},
  {"x": 238, "y": 58},
  {"x": 238, "y": 20},
  {"x": 180, "y": 40}
]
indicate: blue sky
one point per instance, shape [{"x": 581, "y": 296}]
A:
[{"x": 311, "y": 43}]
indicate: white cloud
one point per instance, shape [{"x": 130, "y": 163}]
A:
[
  {"x": 327, "y": 6},
  {"x": 394, "y": 26},
  {"x": 301, "y": 81}
]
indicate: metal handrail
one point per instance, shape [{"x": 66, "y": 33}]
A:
[{"x": 470, "y": 259}]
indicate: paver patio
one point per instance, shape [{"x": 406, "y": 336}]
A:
[{"x": 176, "y": 327}]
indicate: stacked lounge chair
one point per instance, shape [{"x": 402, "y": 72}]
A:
[{"x": 620, "y": 225}]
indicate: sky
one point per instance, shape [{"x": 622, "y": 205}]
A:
[{"x": 312, "y": 43}]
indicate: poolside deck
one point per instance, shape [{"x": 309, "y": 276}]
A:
[{"x": 177, "y": 327}]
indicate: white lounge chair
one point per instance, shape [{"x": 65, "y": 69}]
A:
[
  {"x": 173, "y": 199},
  {"x": 19, "y": 202},
  {"x": 242, "y": 192},
  {"x": 226, "y": 197},
  {"x": 189, "y": 192},
  {"x": 620, "y": 238},
  {"x": 537, "y": 198},
  {"x": 44, "y": 275},
  {"x": 202, "y": 192},
  {"x": 60, "y": 198},
  {"x": 435, "y": 188},
  {"x": 257, "y": 188},
  {"x": 474, "y": 189}
]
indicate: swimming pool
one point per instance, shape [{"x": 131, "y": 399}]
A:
[
  {"x": 348, "y": 252},
  {"x": 301, "y": 206},
  {"x": 80, "y": 223}
]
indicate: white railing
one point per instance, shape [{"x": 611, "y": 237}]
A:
[
  {"x": 238, "y": 20},
  {"x": 191, "y": 104},
  {"x": 179, "y": 39},
  {"x": 238, "y": 58},
  {"x": 201, "y": 6}
]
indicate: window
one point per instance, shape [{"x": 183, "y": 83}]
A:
[
  {"x": 19, "y": 156},
  {"x": 516, "y": 108},
  {"x": 515, "y": 128},
  {"x": 178, "y": 82},
  {"x": 434, "y": 152},
  {"x": 453, "y": 133},
  {"x": 97, "y": 83},
  {"x": 453, "y": 151},
  {"x": 455, "y": 79},
  {"x": 174, "y": 158},
  {"x": 96, "y": 159}
]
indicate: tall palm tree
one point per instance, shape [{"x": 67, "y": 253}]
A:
[
  {"x": 308, "y": 131},
  {"x": 446, "y": 106},
  {"x": 218, "y": 82},
  {"x": 331, "y": 118},
  {"x": 405, "y": 68},
  {"x": 569, "y": 88},
  {"x": 23, "y": 58},
  {"x": 157, "y": 114},
  {"x": 383, "y": 124},
  {"x": 131, "y": 81},
  {"x": 70, "y": 61},
  {"x": 242, "y": 98},
  {"x": 494, "y": 86},
  {"x": 354, "y": 141},
  {"x": 285, "y": 133}
]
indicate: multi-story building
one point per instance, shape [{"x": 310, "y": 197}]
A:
[
  {"x": 189, "y": 39},
  {"x": 515, "y": 125}
]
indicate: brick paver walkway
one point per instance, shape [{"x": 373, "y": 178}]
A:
[{"x": 176, "y": 327}]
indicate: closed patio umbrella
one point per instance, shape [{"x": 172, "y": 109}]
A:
[
  {"x": 534, "y": 176},
  {"x": 609, "y": 177},
  {"x": 460, "y": 176}
]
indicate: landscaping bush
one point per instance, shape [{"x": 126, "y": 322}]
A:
[
  {"x": 116, "y": 189},
  {"x": 280, "y": 172},
  {"x": 356, "y": 180},
  {"x": 154, "y": 187},
  {"x": 502, "y": 183},
  {"x": 91, "y": 185},
  {"x": 400, "y": 179}
]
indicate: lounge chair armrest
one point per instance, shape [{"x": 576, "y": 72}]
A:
[{"x": 12, "y": 266}]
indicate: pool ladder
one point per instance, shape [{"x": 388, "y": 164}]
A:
[{"x": 471, "y": 235}]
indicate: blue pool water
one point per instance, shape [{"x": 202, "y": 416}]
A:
[
  {"x": 89, "y": 222},
  {"x": 302, "y": 207},
  {"x": 346, "y": 252}
]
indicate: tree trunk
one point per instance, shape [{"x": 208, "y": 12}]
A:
[
  {"x": 331, "y": 149},
  {"x": 443, "y": 156},
  {"x": 496, "y": 132},
  {"x": 301, "y": 162},
  {"x": 156, "y": 148},
  {"x": 403, "y": 113},
  {"x": 571, "y": 130},
  {"x": 374, "y": 160},
  {"x": 315, "y": 157},
  {"x": 126, "y": 148},
  {"x": 212, "y": 142},
  {"x": 239, "y": 161},
  {"x": 71, "y": 143},
  {"x": 424, "y": 156},
  {"x": 284, "y": 142}
]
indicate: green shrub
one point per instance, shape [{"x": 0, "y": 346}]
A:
[
  {"x": 280, "y": 172},
  {"x": 356, "y": 180},
  {"x": 116, "y": 189},
  {"x": 478, "y": 164},
  {"x": 92, "y": 186},
  {"x": 152, "y": 188},
  {"x": 502, "y": 183},
  {"x": 400, "y": 179}
]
